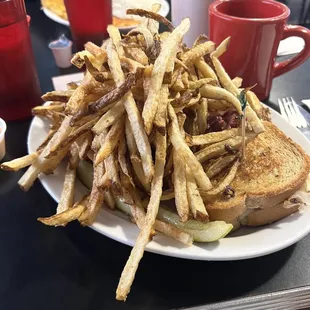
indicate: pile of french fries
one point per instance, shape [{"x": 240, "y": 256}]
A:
[{"x": 141, "y": 116}]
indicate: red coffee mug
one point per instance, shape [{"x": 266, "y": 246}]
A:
[{"x": 256, "y": 28}]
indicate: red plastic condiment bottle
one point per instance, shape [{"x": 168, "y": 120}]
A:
[{"x": 19, "y": 85}]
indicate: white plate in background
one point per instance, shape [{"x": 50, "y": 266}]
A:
[{"x": 164, "y": 10}]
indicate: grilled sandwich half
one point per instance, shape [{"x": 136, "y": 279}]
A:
[{"x": 274, "y": 169}]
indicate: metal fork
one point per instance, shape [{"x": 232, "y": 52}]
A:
[{"x": 290, "y": 111}]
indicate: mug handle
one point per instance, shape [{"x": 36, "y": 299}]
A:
[{"x": 287, "y": 65}]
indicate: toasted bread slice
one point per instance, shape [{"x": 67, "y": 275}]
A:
[{"x": 274, "y": 168}]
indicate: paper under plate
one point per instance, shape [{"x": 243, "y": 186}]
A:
[{"x": 244, "y": 243}]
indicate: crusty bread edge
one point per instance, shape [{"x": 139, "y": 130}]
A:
[
  {"x": 299, "y": 179},
  {"x": 229, "y": 215}
]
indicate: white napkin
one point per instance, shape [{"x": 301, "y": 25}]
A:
[
  {"x": 60, "y": 82},
  {"x": 291, "y": 45}
]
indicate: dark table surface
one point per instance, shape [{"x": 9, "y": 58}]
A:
[{"x": 76, "y": 268}]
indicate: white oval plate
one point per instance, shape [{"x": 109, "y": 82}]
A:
[
  {"x": 55, "y": 17},
  {"x": 244, "y": 243},
  {"x": 164, "y": 10}
]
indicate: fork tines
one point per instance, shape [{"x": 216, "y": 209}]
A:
[{"x": 290, "y": 111}]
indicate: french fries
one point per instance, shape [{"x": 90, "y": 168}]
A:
[
  {"x": 99, "y": 53},
  {"x": 83, "y": 145},
  {"x": 161, "y": 114},
  {"x": 148, "y": 37},
  {"x": 138, "y": 214},
  {"x": 227, "y": 83},
  {"x": 205, "y": 69},
  {"x": 122, "y": 159},
  {"x": 152, "y": 24},
  {"x": 43, "y": 110},
  {"x": 237, "y": 81},
  {"x": 59, "y": 95},
  {"x": 220, "y": 164},
  {"x": 111, "y": 168},
  {"x": 221, "y": 49},
  {"x": 170, "y": 44},
  {"x": 254, "y": 103},
  {"x": 96, "y": 199},
  {"x": 117, "y": 93},
  {"x": 167, "y": 195},
  {"x": 225, "y": 182},
  {"x": 180, "y": 146},
  {"x": 199, "y": 83},
  {"x": 202, "y": 115},
  {"x": 19, "y": 163},
  {"x": 67, "y": 194},
  {"x": 133, "y": 116},
  {"x": 96, "y": 74},
  {"x": 230, "y": 145},
  {"x": 137, "y": 55},
  {"x": 115, "y": 37},
  {"x": 111, "y": 141},
  {"x": 41, "y": 163},
  {"x": 136, "y": 254},
  {"x": 146, "y": 120},
  {"x": 152, "y": 15},
  {"x": 215, "y": 105},
  {"x": 134, "y": 157},
  {"x": 198, "y": 51},
  {"x": 63, "y": 218},
  {"x": 71, "y": 137},
  {"x": 179, "y": 177},
  {"x": 109, "y": 118},
  {"x": 195, "y": 201},
  {"x": 174, "y": 232},
  {"x": 212, "y": 137},
  {"x": 214, "y": 92}
]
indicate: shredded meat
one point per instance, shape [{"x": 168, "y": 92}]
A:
[{"x": 222, "y": 121}]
